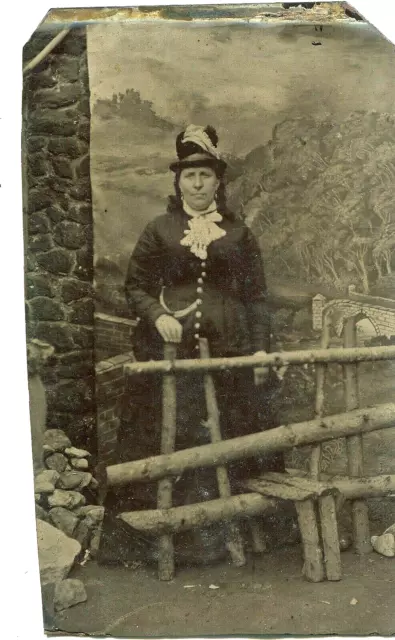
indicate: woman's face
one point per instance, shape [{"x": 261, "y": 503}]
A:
[{"x": 198, "y": 186}]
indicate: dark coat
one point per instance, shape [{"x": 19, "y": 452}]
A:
[
  {"x": 231, "y": 287},
  {"x": 233, "y": 315}
]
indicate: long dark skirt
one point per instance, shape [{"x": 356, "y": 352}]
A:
[{"x": 244, "y": 409}]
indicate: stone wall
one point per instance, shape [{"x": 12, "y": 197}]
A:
[
  {"x": 113, "y": 335},
  {"x": 110, "y": 390},
  {"x": 318, "y": 304},
  {"x": 58, "y": 228}
]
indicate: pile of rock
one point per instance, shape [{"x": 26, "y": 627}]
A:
[
  {"x": 385, "y": 544},
  {"x": 57, "y": 554},
  {"x": 61, "y": 491}
]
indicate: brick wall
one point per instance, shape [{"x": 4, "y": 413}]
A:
[
  {"x": 58, "y": 227},
  {"x": 113, "y": 335},
  {"x": 110, "y": 388}
]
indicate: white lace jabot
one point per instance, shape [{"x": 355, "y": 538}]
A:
[{"x": 202, "y": 229}]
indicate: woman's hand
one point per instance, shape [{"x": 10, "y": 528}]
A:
[
  {"x": 169, "y": 328},
  {"x": 261, "y": 374}
]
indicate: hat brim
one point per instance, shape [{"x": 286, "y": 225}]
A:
[{"x": 214, "y": 163}]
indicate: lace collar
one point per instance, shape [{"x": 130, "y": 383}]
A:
[{"x": 202, "y": 229}]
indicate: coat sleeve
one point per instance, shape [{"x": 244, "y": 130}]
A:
[
  {"x": 255, "y": 295},
  {"x": 143, "y": 280}
]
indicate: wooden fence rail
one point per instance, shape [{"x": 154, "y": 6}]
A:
[
  {"x": 280, "y": 359},
  {"x": 159, "y": 521},
  {"x": 279, "y": 439}
]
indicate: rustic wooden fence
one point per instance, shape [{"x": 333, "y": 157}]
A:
[{"x": 352, "y": 424}]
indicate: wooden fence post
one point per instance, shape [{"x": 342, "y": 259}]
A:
[
  {"x": 315, "y": 456},
  {"x": 326, "y": 505},
  {"x": 360, "y": 516},
  {"x": 312, "y": 552},
  {"x": 165, "y": 486},
  {"x": 234, "y": 540}
]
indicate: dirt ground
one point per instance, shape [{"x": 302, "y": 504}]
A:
[{"x": 267, "y": 597}]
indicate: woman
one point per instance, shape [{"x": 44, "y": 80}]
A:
[{"x": 196, "y": 271}]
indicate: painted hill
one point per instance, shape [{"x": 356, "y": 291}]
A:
[{"x": 320, "y": 196}]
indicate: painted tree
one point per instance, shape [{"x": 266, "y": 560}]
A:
[{"x": 324, "y": 206}]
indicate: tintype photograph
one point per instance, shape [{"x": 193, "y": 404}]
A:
[{"x": 209, "y": 218}]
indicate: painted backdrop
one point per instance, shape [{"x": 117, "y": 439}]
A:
[
  {"x": 309, "y": 130},
  {"x": 306, "y": 120}
]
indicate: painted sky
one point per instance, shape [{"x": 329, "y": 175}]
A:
[{"x": 243, "y": 79}]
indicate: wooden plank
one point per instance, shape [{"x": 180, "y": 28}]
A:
[
  {"x": 330, "y": 537},
  {"x": 276, "y": 490},
  {"x": 367, "y": 486},
  {"x": 166, "y": 565},
  {"x": 360, "y": 517},
  {"x": 313, "y": 560},
  {"x": 234, "y": 541},
  {"x": 312, "y": 488},
  {"x": 281, "y": 438},
  {"x": 373, "y": 487}
]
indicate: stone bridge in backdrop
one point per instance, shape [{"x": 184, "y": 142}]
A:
[{"x": 379, "y": 311}]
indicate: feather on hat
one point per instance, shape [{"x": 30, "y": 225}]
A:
[{"x": 196, "y": 147}]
